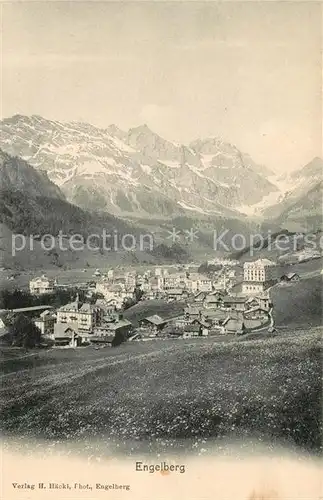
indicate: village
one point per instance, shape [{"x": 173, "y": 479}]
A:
[{"x": 231, "y": 300}]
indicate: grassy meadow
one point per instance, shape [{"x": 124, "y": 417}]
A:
[{"x": 168, "y": 395}]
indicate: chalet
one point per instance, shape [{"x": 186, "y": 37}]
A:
[
  {"x": 236, "y": 302},
  {"x": 193, "y": 312},
  {"x": 102, "y": 338},
  {"x": 66, "y": 335},
  {"x": 155, "y": 323},
  {"x": 108, "y": 329},
  {"x": 193, "y": 330},
  {"x": 216, "y": 317},
  {"x": 214, "y": 300},
  {"x": 289, "y": 277},
  {"x": 256, "y": 313},
  {"x": 262, "y": 301}
]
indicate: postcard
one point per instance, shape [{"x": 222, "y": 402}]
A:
[{"x": 161, "y": 250}]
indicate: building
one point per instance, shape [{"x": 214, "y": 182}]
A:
[
  {"x": 46, "y": 322},
  {"x": 130, "y": 279},
  {"x": 196, "y": 282},
  {"x": 261, "y": 270},
  {"x": 84, "y": 317},
  {"x": 234, "y": 302},
  {"x": 192, "y": 330},
  {"x": 66, "y": 335},
  {"x": 154, "y": 323},
  {"x": 214, "y": 300},
  {"x": 42, "y": 285},
  {"x": 258, "y": 276},
  {"x": 289, "y": 277},
  {"x": 115, "y": 292},
  {"x": 175, "y": 280},
  {"x": 263, "y": 301},
  {"x": 106, "y": 332},
  {"x": 176, "y": 294}
]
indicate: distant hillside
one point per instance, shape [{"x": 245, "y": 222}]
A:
[
  {"x": 17, "y": 175},
  {"x": 299, "y": 304},
  {"x": 42, "y": 215},
  {"x": 306, "y": 212}
]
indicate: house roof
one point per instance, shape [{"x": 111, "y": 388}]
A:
[
  {"x": 42, "y": 279},
  {"x": 46, "y": 313},
  {"x": 260, "y": 262},
  {"x": 155, "y": 320},
  {"x": 290, "y": 275},
  {"x": 72, "y": 306},
  {"x": 65, "y": 330},
  {"x": 86, "y": 308},
  {"x": 118, "y": 324},
  {"x": 192, "y": 328},
  {"x": 28, "y": 309}
]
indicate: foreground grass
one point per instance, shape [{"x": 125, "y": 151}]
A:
[{"x": 169, "y": 392}]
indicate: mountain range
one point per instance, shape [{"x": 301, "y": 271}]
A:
[
  {"x": 136, "y": 175},
  {"x": 137, "y": 172}
]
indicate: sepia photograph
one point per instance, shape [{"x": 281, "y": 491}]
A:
[{"x": 161, "y": 250}]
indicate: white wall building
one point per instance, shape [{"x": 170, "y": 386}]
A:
[
  {"x": 261, "y": 270},
  {"x": 258, "y": 276},
  {"x": 84, "y": 317},
  {"x": 42, "y": 285}
]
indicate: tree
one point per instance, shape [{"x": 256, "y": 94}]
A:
[{"x": 23, "y": 332}]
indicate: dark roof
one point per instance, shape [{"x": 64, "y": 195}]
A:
[
  {"x": 192, "y": 328},
  {"x": 290, "y": 276},
  {"x": 27, "y": 309}
]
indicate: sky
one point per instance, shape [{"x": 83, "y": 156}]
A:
[{"x": 247, "y": 72}]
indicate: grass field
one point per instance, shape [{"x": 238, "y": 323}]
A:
[
  {"x": 168, "y": 395},
  {"x": 298, "y": 304}
]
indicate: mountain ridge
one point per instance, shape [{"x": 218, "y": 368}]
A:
[{"x": 136, "y": 172}]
